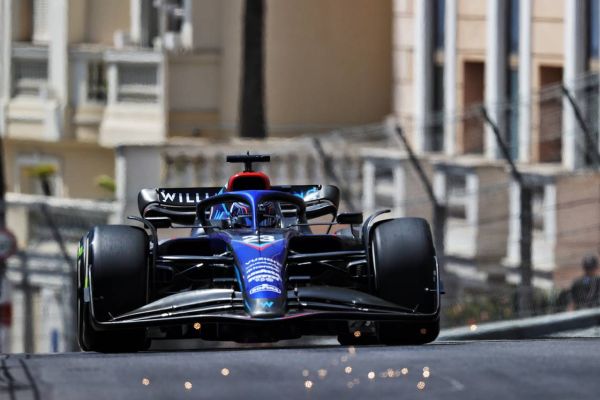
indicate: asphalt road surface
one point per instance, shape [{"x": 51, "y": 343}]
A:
[{"x": 538, "y": 369}]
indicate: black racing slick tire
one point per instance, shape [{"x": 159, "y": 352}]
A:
[
  {"x": 405, "y": 268},
  {"x": 117, "y": 256}
]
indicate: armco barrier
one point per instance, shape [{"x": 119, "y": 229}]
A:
[{"x": 526, "y": 328}]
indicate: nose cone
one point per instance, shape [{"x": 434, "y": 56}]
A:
[
  {"x": 260, "y": 262},
  {"x": 266, "y": 308}
]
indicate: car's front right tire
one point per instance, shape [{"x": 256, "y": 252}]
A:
[{"x": 113, "y": 260}]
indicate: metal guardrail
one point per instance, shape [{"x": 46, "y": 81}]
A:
[{"x": 526, "y": 328}]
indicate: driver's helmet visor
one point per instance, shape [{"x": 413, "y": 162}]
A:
[
  {"x": 230, "y": 214},
  {"x": 269, "y": 215},
  {"x": 241, "y": 215},
  {"x": 238, "y": 214}
]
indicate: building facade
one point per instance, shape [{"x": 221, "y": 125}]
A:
[
  {"x": 145, "y": 92},
  {"x": 530, "y": 70},
  {"x": 79, "y": 77}
]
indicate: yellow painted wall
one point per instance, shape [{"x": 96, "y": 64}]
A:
[
  {"x": 80, "y": 165},
  {"x": 328, "y": 62}
]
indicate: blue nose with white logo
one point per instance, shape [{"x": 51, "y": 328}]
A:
[
  {"x": 266, "y": 308},
  {"x": 261, "y": 272}
]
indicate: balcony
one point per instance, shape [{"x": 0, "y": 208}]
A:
[
  {"x": 390, "y": 181},
  {"x": 154, "y": 95},
  {"x": 31, "y": 114},
  {"x": 475, "y": 191},
  {"x": 114, "y": 96},
  {"x": 136, "y": 107},
  {"x": 565, "y": 216}
]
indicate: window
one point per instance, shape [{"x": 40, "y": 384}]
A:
[
  {"x": 23, "y": 29},
  {"x": 513, "y": 27},
  {"x": 150, "y": 25},
  {"x": 590, "y": 90},
  {"x": 512, "y": 79},
  {"x": 174, "y": 11},
  {"x": 550, "y": 114},
  {"x": 592, "y": 29},
  {"x": 437, "y": 123},
  {"x": 440, "y": 24},
  {"x": 96, "y": 81},
  {"x": 473, "y": 95},
  {"x": 163, "y": 16}
]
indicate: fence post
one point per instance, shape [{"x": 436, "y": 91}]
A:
[
  {"x": 2, "y": 203},
  {"x": 526, "y": 222},
  {"x": 525, "y": 290},
  {"x": 592, "y": 141},
  {"x": 28, "y": 326},
  {"x": 439, "y": 209}
]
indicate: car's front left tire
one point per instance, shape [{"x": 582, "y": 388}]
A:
[{"x": 405, "y": 268}]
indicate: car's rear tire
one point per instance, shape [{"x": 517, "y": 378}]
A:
[
  {"x": 404, "y": 263},
  {"x": 118, "y": 259}
]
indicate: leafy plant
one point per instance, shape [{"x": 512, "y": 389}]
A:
[
  {"x": 42, "y": 170},
  {"x": 107, "y": 183}
]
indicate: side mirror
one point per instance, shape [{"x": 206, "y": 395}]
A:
[
  {"x": 319, "y": 208},
  {"x": 350, "y": 218}
]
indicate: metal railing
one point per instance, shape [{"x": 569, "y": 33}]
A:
[
  {"x": 134, "y": 76},
  {"x": 30, "y": 70}
]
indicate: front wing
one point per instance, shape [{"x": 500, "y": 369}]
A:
[{"x": 316, "y": 303}]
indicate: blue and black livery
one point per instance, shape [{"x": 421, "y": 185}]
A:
[{"x": 258, "y": 263}]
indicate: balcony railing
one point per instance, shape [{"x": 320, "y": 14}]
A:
[
  {"x": 135, "y": 76},
  {"x": 30, "y": 70},
  {"x": 30, "y": 217}
]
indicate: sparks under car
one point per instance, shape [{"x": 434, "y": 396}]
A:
[{"x": 248, "y": 266}]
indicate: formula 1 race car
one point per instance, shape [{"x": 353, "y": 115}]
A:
[{"x": 251, "y": 267}]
